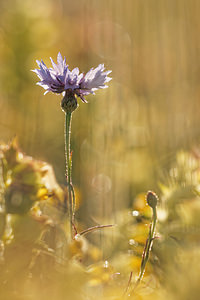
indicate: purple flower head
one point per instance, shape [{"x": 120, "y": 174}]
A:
[{"x": 60, "y": 78}]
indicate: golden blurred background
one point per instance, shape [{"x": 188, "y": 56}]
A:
[{"x": 126, "y": 138}]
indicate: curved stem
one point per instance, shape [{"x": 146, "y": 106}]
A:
[
  {"x": 147, "y": 248},
  {"x": 95, "y": 228}
]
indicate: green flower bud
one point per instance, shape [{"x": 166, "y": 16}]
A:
[
  {"x": 152, "y": 199},
  {"x": 69, "y": 102}
]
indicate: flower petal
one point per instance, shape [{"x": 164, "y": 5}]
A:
[{"x": 95, "y": 79}]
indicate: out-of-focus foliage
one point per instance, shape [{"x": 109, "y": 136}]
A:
[
  {"x": 34, "y": 238},
  {"x": 38, "y": 261},
  {"x": 34, "y": 235}
]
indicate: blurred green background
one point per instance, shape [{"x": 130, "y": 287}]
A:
[{"x": 126, "y": 138}]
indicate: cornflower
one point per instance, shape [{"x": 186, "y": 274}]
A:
[{"x": 60, "y": 79}]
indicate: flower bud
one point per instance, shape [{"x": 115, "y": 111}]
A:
[
  {"x": 69, "y": 102},
  {"x": 152, "y": 199}
]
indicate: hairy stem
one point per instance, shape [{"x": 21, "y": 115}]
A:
[
  {"x": 68, "y": 157},
  {"x": 147, "y": 248},
  {"x": 152, "y": 200}
]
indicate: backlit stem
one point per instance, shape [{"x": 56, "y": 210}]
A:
[
  {"x": 68, "y": 157},
  {"x": 152, "y": 201},
  {"x": 147, "y": 248}
]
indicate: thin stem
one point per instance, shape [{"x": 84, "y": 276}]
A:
[
  {"x": 129, "y": 283},
  {"x": 95, "y": 228},
  {"x": 68, "y": 117},
  {"x": 73, "y": 204},
  {"x": 147, "y": 248}
]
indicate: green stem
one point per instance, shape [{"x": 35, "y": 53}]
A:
[
  {"x": 149, "y": 245},
  {"x": 147, "y": 248},
  {"x": 68, "y": 117},
  {"x": 73, "y": 204}
]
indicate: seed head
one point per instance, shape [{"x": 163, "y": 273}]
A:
[{"x": 152, "y": 199}]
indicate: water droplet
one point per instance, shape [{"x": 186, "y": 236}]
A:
[
  {"x": 135, "y": 213},
  {"x": 106, "y": 264}
]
